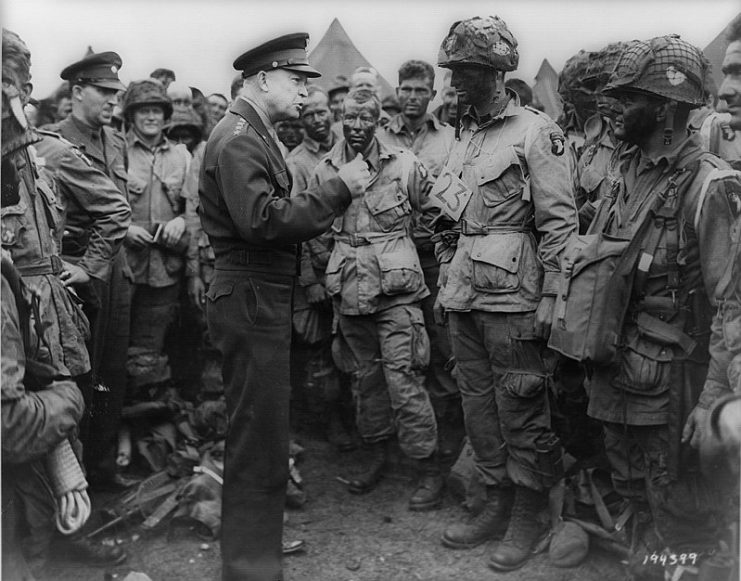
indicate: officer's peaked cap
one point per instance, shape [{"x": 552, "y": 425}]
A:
[
  {"x": 285, "y": 52},
  {"x": 99, "y": 69}
]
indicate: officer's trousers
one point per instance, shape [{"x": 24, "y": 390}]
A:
[
  {"x": 392, "y": 349},
  {"x": 249, "y": 320},
  {"x": 503, "y": 378}
]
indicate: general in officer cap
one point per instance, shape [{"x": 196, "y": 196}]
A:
[
  {"x": 98, "y": 69},
  {"x": 285, "y": 52}
]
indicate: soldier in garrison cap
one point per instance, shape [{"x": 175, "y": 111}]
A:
[
  {"x": 94, "y": 85},
  {"x": 498, "y": 285},
  {"x": 255, "y": 225}
]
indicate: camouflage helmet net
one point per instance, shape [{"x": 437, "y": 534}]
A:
[
  {"x": 570, "y": 79},
  {"x": 601, "y": 65},
  {"x": 146, "y": 92},
  {"x": 666, "y": 66},
  {"x": 485, "y": 42}
]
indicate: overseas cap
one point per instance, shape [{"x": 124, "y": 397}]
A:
[
  {"x": 98, "y": 69},
  {"x": 479, "y": 41},
  {"x": 285, "y": 52},
  {"x": 666, "y": 66}
]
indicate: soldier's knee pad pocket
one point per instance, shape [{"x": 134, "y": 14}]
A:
[{"x": 523, "y": 385}]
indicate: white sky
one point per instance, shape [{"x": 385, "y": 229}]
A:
[{"x": 199, "y": 39}]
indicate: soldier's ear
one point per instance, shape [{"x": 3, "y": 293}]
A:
[{"x": 262, "y": 81}]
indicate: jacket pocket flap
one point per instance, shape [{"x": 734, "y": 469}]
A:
[
  {"x": 383, "y": 200},
  {"x": 503, "y": 251},
  {"x": 399, "y": 260},
  {"x": 219, "y": 289},
  {"x": 496, "y": 165}
]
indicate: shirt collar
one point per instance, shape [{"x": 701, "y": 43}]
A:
[
  {"x": 263, "y": 115},
  {"x": 511, "y": 109},
  {"x": 315, "y": 146},
  {"x": 670, "y": 158},
  {"x": 132, "y": 138},
  {"x": 397, "y": 125},
  {"x": 86, "y": 129},
  {"x": 342, "y": 154}
]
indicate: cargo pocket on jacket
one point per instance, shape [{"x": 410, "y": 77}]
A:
[
  {"x": 496, "y": 263},
  {"x": 14, "y": 222},
  {"x": 645, "y": 366},
  {"x": 401, "y": 273},
  {"x": 388, "y": 205},
  {"x": 333, "y": 280},
  {"x": 590, "y": 181},
  {"x": 420, "y": 340},
  {"x": 500, "y": 177}
]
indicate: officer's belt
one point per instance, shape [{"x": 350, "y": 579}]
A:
[
  {"x": 257, "y": 259},
  {"x": 472, "y": 229},
  {"x": 369, "y": 237},
  {"x": 39, "y": 266}
]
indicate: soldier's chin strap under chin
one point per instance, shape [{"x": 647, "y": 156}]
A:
[
  {"x": 671, "y": 108},
  {"x": 13, "y": 95}
]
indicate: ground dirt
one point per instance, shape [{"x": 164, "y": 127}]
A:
[{"x": 348, "y": 538}]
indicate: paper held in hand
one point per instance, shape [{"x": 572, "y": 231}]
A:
[{"x": 450, "y": 194}]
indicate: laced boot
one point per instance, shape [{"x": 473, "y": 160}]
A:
[
  {"x": 367, "y": 481},
  {"x": 490, "y": 523},
  {"x": 429, "y": 492},
  {"x": 523, "y": 533}
]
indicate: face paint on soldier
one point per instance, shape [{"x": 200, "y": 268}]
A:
[
  {"x": 359, "y": 124},
  {"x": 474, "y": 85},
  {"x": 149, "y": 121},
  {"x": 285, "y": 92},
  {"x": 414, "y": 96},
  {"x": 93, "y": 105},
  {"x": 315, "y": 117},
  {"x": 730, "y": 90},
  {"x": 637, "y": 117}
]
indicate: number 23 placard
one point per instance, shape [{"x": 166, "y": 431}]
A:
[{"x": 450, "y": 194}]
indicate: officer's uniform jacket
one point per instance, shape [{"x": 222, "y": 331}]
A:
[
  {"x": 95, "y": 214},
  {"x": 155, "y": 183},
  {"x": 244, "y": 185},
  {"x": 374, "y": 263},
  {"x": 592, "y": 183},
  {"x": 518, "y": 169},
  {"x": 32, "y": 221},
  {"x": 636, "y": 388},
  {"x": 432, "y": 145}
]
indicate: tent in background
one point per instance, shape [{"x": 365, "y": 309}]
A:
[
  {"x": 545, "y": 90},
  {"x": 336, "y": 55}
]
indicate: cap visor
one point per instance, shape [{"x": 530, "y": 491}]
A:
[
  {"x": 112, "y": 84},
  {"x": 308, "y": 70}
]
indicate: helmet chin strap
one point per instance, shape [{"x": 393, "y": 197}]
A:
[
  {"x": 13, "y": 95},
  {"x": 671, "y": 108}
]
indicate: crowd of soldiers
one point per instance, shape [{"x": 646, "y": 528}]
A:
[{"x": 476, "y": 268}]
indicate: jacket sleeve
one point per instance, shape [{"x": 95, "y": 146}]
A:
[
  {"x": 32, "y": 423},
  {"x": 420, "y": 182},
  {"x": 260, "y": 216},
  {"x": 192, "y": 220},
  {"x": 101, "y": 200},
  {"x": 551, "y": 187}
]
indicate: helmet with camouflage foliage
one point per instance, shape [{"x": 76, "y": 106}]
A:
[
  {"x": 601, "y": 65},
  {"x": 485, "y": 42},
  {"x": 570, "y": 79},
  {"x": 666, "y": 66},
  {"x": 145, "y": 92}
]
